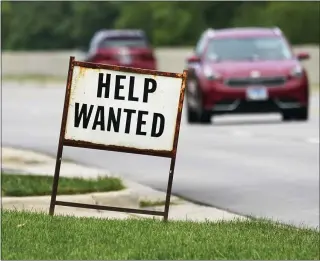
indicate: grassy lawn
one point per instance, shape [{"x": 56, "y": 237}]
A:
[
  {"x": 36, "y": 185},
  {"x": 35, "y": 78},
  {"x": 156, "y": 203},
  {"x": 315, "y": 87},
  {"x": 33, "y": 236},
  {"x": 149, "y": 203}
]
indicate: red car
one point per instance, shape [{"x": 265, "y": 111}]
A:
[
  {"x": 128, "y": 48},
  {"x": 246, "y": 70}
]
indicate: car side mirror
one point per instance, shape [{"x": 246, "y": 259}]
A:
[
  {"x": 194, "y": 59},
  {"x": 303, "y": 56}
]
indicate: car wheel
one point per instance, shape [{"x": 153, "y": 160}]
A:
[
  {"x": 301, "y": 114},
  {"x": 286, "y": 116},
  {"x": 197, "y": 114},
  {"x": 205, "y": 117},
  {"x": 192, "y": 101},
  {"x": 192, "y": 116}
]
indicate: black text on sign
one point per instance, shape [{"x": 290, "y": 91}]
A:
[{"x": 123, "y": 109}]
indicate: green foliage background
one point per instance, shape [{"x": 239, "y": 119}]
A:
[{"x": 69, "y": 25}]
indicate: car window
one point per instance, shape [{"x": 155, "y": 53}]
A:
[
  {"x": 200, "y": 45},
  {"x": 111, "y": 42},
  {"x": 248, "y": 48}
]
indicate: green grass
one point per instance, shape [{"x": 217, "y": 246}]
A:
[
  {"x": 30, "y": 236},
  {"x": 315, "y": 87},
  {"x": 36, "y": 185},
  {"x": 21, "y": 160},
  {"x": 149, "y": 203},
  {"x": 35, "y": 78},
  {"x": 156, "y": 203}
]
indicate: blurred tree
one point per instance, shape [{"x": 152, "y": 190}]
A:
[
  {"x": 65, "y": 25},
  {"x": 6, "y": 11},
  {"x": 36, "y": 25},
  {"x": 250, "y": 14},
  {"x": 220, "y": 14},
  {"x": 88, "y": 17},
  {"x": 133, "y": 15},
  {"x": 299, "y": 20},
  {"x": 166, "y": 23},
  {"x": 178, "y": 23}
]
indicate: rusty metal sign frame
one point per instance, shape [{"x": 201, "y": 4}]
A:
[{"x": 82, "y": 144}]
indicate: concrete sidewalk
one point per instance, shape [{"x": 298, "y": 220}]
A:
[{"x": 28, "y": 162}]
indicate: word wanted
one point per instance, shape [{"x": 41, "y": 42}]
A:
[{"x": 108, "y": 119}]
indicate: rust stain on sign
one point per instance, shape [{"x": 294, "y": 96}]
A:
[
  {"x": 180, "y": 107},
  {"x": 81, "y": 74},
  {"x": 91, "y": 145},
  {"x": 76, "y": 78},
  {"x": 82, "y": 71},
  {"x": 125, "y": 69}
]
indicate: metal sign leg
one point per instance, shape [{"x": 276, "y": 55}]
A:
[
  {"x": 169, "y": 188},
  {"x": 56, "y": 180}
]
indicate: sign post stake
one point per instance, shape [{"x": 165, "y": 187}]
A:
[
  {"x": 169, "y": 188},
  {"x": 175, "y": 146},
  {"x": 61, "y": 137}
]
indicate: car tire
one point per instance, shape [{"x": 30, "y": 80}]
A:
[
  {"x": 192, "y": 116},
  {"x": 286, "y": 116},
  {"x": 203, "y": 114},
  {"x": 205, "y": 117},
  {"x": 199, "y": 114},
  {"x": 301, "y": 114}
]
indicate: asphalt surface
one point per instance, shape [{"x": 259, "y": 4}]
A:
[{"x": 253, "y": 165}]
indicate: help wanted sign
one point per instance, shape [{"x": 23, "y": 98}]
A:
[{"x": 124, "y": 107}]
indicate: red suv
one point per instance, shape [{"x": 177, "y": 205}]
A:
[
  {"x": 246, "y": 70},
  {"x": 128, "y": 48}
]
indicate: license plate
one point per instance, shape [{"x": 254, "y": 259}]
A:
[{"x": 257, "y": 93}]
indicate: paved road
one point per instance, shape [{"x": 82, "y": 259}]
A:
[{"x": 249, "y": 165}]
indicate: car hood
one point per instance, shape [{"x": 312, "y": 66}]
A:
[{"x": 246, "y": 68}]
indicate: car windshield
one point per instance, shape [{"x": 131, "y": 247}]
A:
[
  {"x": 249, "y": 48},
  {"x": 134, "y": 42}
]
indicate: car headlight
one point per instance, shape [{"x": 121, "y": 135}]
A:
[
  {"x": 211, "y": 74},
  {"x": 296, "y": 71}
]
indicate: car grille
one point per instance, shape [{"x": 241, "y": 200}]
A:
[{"x": 265, "y": 81}]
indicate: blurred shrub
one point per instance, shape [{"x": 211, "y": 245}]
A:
[
  {"x": 166, "y": 23},
  {"x": 65, "y": 25},
  {"x": 36, "y": 25},
  {"x": 54, "y": 25},
  {"x": 299, "y": 20}
]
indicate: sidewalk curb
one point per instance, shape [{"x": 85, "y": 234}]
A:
[
  {"x": 23, "y": 161},
  {"x": 126, "y": 197}
]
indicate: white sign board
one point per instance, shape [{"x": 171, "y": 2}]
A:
[
  {"x": 126, "y": 109},
  {"x": 121, "y": 109}
]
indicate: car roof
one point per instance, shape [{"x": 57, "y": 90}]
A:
[
  {"x": 105, "y": 33},
  {"x": 243, "y": 32},
  {"x": 108, "y": 33}
]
